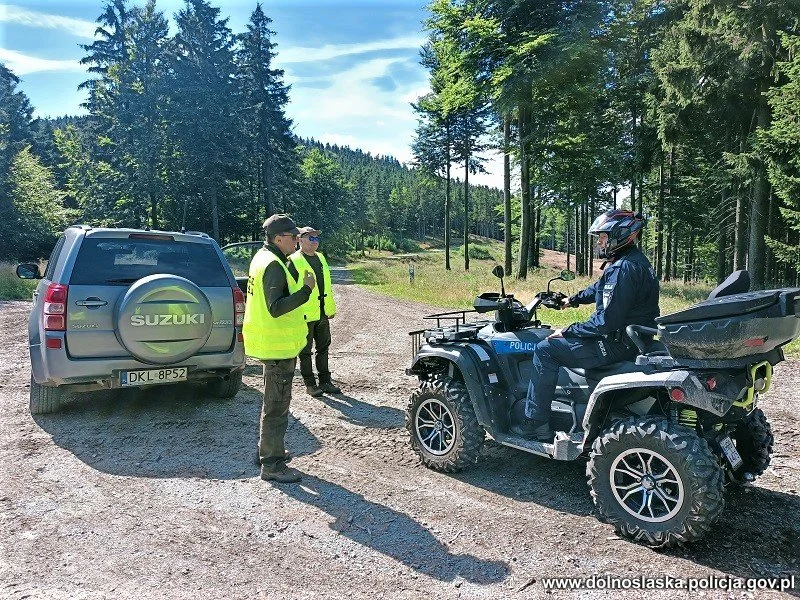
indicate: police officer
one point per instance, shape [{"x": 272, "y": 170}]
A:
[
  {"x": 274, "y": 332},
  {"x": 626, "y": 294},
  {"x": 320, "y": 308}
]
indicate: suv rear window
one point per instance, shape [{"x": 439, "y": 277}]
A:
[{"x": 120, "y": 261}]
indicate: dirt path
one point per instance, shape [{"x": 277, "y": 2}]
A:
[{"x": 154, "y": 495}]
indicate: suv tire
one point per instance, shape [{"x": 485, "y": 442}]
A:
[
  {"x": 656, "y": 481},
  {"x": 45, "y": 400},
  {"x": 444, "y": 431},
  {"x": 226, "y": 387}
]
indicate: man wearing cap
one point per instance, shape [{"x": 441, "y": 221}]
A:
[
  {"x": 318, "y": 310},
  {"x": 274, "y": 332}
]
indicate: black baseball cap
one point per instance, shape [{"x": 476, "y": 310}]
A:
[{"x": 277, "y": 224}]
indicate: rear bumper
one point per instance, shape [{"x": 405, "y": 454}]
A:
[{"x": 54, "y": 368}]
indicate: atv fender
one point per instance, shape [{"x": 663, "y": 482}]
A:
[
  {"x": 612, "y": 391},
  {"x": 470, "y": 361}
]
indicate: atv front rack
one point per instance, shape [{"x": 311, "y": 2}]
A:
[{"x": 458, "y": 330}]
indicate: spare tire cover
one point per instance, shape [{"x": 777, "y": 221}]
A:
[{"x": 163, "y": 319}]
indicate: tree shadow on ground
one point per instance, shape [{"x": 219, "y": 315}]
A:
[
  {"x": 393, "y": 534},
  {"x": 168, "y": 431},
  {"x": 363, "y": 413},
  {"x": 757, "y": 535}
]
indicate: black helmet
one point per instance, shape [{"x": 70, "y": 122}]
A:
[{"x": 622, "y": 227}]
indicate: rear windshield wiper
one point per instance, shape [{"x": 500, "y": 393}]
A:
[{"x": 123, "y": 280}]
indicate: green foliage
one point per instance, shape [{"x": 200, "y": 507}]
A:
[
  {"x": 11, "y": 286},
  {"x": 478, "y": 252},
  {"x": 36, "y": 214}
]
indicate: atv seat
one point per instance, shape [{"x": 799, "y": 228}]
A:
[{"x": 617, "y": 368}]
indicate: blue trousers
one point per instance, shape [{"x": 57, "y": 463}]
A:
[{"x": 552, "y": 354}]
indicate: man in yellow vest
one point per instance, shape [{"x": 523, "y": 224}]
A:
[
  {"x": 318, "y": 310},
  {"x": 274, "y": 332}
]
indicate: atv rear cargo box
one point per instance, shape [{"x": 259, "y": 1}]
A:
[{"x": 731, "y": 327}]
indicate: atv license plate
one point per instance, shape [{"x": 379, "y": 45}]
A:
[
  {"x": 731, "y": 453},
  {"x": 152, "y": 376}
]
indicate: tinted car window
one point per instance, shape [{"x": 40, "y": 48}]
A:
[
  {"x": 51, "y": 264},
  {"x": 119, "y": 261}
]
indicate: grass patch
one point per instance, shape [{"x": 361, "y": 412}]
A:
[{"x": 12, "y": 287}]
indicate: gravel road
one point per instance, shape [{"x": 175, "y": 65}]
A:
[{"x": 154, "y": 494}]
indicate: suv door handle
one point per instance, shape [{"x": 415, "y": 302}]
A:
[{"x": 91, "y": 302}]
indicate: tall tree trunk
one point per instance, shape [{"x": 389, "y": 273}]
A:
[
  {"x": 569, "y": 228},
  {"x": 524, "y": 237},
  {"x": 507, "y": 192},
  {"x": 215, "y": 213},
  {"x": 447, "y": 201},
  {"x": 722, "y": 237},
  {"x": 668, "y": 254},
  {"x": 756, "y": 255},
  {"x": 537, "y": 248},
  {"x": 466, "y": 212},
  {"x": 578, "y": 236},
  {"x": 688, "y": 271},
  {"x": 153, "y": 210},
  {"x": 660, "y": 221},
  {"x": 675, "y": 247}
]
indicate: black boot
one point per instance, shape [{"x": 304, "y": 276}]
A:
[{"x": 533, "y": 430}]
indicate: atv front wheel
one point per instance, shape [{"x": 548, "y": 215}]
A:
[
  {"x": 656, "y": 481},
  {"x": 754, "y": 441},
  {"x": 444, "y": 430}
]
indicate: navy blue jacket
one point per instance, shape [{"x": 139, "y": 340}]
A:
[{"x": 626, "y": 294}]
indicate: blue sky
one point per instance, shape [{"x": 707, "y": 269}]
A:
[{"x": 353, "y": 64}]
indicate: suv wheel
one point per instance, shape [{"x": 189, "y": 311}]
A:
[
  {"x": 226, "y": 387},
  {"x": 444, "y": 430},
  {"x": 656, "y": 481},
  {"x": 45, "y": 400}
]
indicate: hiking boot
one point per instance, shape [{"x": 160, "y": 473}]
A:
[
  {"x": 329, "y": 388},
  {"x": 314, "y": 390},
  {"x": 284, "y": 475},
  {"x": 287, "y": 456},
  {"x": 533, "y": 430}
]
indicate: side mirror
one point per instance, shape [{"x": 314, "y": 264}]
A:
[
  {"x": 566, "y": 275},
  {"x": 498, "y": 271},
  {"x": 28, "y": 271}
]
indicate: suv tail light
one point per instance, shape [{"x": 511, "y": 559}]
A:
[
  {"x": 55, "y": 307},
  {"x": 238, "y": 307}
]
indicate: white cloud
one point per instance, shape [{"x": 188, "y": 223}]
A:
[
  {"x": 298, "y": 54},
  {"x": 22, "y": 64},
  {"x": 346, "y": 113},
  {"x": 10, "y": 13}
]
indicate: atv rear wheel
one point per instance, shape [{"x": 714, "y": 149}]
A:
[
  {"x": 754, "y": 441},
  {"x": 444, "y": 430},
  {"x": 656, "y": 481}
]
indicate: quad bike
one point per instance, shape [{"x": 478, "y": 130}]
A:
[{"x": 664, "y": 434}]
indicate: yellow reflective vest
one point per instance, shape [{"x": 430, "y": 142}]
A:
[
  {"x": 311, "y": 308},
  {"x": 267, "y": 337}
]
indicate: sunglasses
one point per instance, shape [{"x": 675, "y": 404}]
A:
[
  {"x": 294, "y": 236},
  {"x": 313, "y": 238}
]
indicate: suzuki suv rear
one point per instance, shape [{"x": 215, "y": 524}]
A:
[{"x": 123, "y": 308}]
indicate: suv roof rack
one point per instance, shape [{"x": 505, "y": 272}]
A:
[{"x": 200, "y": 233}]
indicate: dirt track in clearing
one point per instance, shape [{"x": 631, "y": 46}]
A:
[{"x": 154, "y": 494}]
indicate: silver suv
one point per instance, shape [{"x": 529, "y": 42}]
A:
[{"x": 121, "y": 308}]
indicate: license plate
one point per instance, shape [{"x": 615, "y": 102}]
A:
[
  {"x": 152, "y": 376},
  {"x": 730, "y": 452}
]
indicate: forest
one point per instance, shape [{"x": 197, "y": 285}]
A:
[{"x": 684, "y": 110}]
